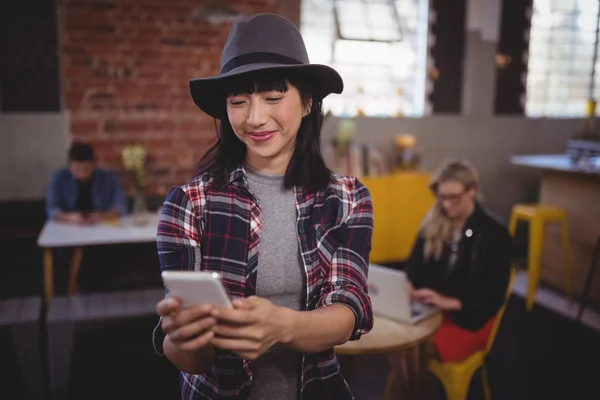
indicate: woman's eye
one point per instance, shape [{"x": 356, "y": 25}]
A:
[
  {"x": 236, "y": 102},
  {"x": 274, "y": 98}
]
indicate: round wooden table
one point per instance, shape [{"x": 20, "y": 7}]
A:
[{"x": 405, "y": 340}]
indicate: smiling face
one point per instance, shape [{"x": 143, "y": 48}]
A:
[{"x": 266, "y": 120}]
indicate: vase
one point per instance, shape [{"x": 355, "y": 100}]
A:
[
  {"x": 140, "y": 209},
  {"x": 407, "y": 159}
]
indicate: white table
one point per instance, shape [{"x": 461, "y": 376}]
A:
[{"x": 57, "y": 234}]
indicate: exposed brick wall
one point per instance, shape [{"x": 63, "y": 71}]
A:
[{"x": 125, "y": 66}]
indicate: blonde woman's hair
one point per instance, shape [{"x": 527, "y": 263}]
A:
[{"x": 437, "y": 228}]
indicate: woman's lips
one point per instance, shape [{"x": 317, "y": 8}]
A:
[{"x": 262, "y": 136}]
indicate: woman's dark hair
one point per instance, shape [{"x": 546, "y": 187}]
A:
[
  {"x": 81, "y": 152},
  {"x": 307, "y": 168}
]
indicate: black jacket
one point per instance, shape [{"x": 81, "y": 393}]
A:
[{"x": 480, "y": 275}]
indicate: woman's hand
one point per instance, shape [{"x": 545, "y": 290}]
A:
[
  {"x": 96, "y": 217},
  {"x": 411, "y": 290},
  {"x": 251, "y": 327},
  {"x": 436, "y": 299},
  {"x": 189, "y": 329},
  {"x": 74, "y": 217}
]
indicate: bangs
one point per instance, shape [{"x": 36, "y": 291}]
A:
[
  {"x": 306, "y": 168},
  {"x": 261, "y": 81}
]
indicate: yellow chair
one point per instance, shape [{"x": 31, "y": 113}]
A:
[
  {"x": 456, "y": 376},
  {"x": 400, "y": 201},
  {"x": 538, "y": 216}
]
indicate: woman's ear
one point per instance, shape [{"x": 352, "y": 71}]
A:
[
  {"x": 473, "y": 194},
  {"x": 307, "y": 107}
]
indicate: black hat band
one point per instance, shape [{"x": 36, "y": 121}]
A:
[{"x": 258, "y": 58}]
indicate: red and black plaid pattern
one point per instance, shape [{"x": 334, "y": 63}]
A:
[{"x": 205, "y": 227}]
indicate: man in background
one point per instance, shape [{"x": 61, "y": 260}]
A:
[{"x": 84, "y": 193}]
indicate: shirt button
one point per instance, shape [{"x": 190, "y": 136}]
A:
[{"x": 301, "y": 229}]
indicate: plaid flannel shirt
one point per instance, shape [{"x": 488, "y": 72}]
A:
[{"x": 204, "y": 227}]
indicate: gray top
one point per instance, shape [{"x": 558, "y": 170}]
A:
[{"x": 281, "y": 279}]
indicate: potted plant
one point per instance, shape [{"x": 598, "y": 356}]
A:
[{"x": 134, "y": 160}]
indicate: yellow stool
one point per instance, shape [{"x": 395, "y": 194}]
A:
[{"x": 538, "y": 216}]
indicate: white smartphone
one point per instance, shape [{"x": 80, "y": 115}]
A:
[{"x": 197, "y": 287}]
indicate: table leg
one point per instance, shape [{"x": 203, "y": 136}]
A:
[
  {"x": 74, "y": 270},
  {"x": 425, "y": 352},
  {"x": 417, "y": 363},
  {"x": 48, "y": 275},
  {"x": 413, "y": 368},
  {"x": 397, "y": 375}
]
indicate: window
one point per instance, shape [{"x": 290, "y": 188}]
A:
[
  {"x": 378, "y": 46},
  {"x": 561, "y": 51}
]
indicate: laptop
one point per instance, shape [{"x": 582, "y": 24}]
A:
[{"x": 388, "y": 289}]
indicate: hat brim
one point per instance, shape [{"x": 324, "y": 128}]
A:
[{"x": 208, "y": 93}]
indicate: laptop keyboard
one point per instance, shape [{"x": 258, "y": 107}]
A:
[
  {"x": 418, "y": 309},
  {"x": 415, "y": 312}
]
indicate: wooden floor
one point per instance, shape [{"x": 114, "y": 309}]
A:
[
  {"x": 539, "y": 355},
  {"x": 558, "y": 303}
]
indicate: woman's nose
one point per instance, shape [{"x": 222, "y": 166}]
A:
[{"x": 257, "y": 114}]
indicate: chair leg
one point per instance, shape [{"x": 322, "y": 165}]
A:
[
  {"x": 487, "y": 391},
  {"x": 512, "y": 226},
  {"x": 534, "y": 262},
  {"x": 456, "y": 386},
  {"x": 389, "y": 386},
  {"x": 588, "y": 280},
  {"x": 566, "y": 244}
]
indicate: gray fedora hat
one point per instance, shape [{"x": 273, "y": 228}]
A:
[{"x": 261, "y": 42}]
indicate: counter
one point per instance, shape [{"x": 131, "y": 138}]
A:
[{"x": 575, "y": 189}]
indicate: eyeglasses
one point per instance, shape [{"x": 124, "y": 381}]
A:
[{"x": 451, "y": 197}]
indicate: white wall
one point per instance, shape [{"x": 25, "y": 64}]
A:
[
  {"x": 32, "y": 145},
  {"x": 488, "y": 142}
]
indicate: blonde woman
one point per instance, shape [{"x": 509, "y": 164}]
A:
[{"x": 460, "y": 262}]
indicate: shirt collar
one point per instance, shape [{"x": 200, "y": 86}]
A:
[{"x": 238, "y": 174}]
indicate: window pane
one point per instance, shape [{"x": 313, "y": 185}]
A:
[
  {"x": 383, "y": 23},
  {"x": 353, "y": 23},
  {"x": 367, "y": 20},
  {"x": 560, "y": 57},
  {"x": 384, "y": 71}
]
